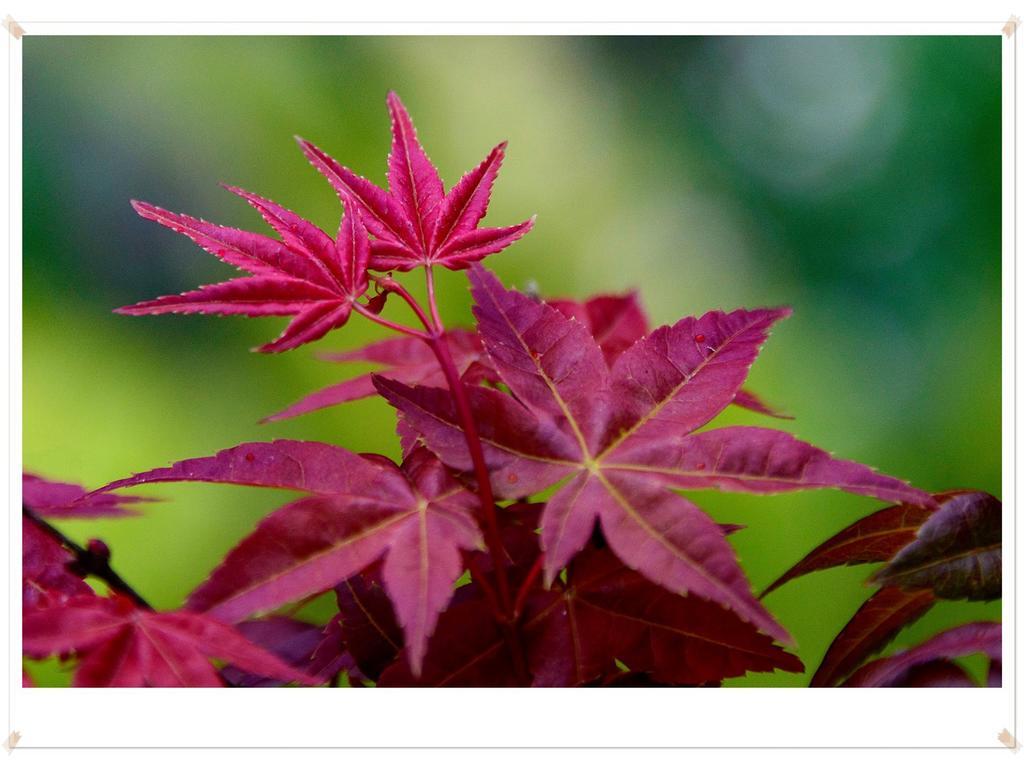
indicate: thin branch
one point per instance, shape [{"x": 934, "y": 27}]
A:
[
  {"x": 388, "y": 323},
  {"x": 527, "y": 585},
  {"x": 89, "y": 563}
]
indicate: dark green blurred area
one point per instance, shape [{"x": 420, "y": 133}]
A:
[{"x": 855, "y": 179}]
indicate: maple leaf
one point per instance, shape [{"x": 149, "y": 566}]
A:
[
  {"x": 49, "y": 572},
  {"x": 52, "y": 499},
  {"x": 870, "y": 629},
  {"x": 367, "y": 625},
  {"x": 936, "y": 674},
  {"x": 406, "y": 359},
  {"x": 979, "y": 637},
  {"x": 575, "y": 633},
  {"x": 616, "y": 322},
  {"x": 957, "y": 552},
  {"x": 872, "y": 539},
  {"x": 415, "y": 223},
  {"x": 298, "y": 643},
  {"x": 417, "y": 517},
  {"x": 620, "y": 437},
  {"x": 994, "y": 678},
  {"x": 122, "y": 645},
  {"x": 46, "y": 575},
  {"x": 306, "y": 274}
]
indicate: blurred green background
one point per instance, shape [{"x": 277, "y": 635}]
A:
[{"x": 855, "y": 179}]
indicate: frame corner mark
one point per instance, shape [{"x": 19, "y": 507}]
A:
[
  {"x": 16, "y": 29},
  {"x": 12, "y": 741},
  {"x": 1008, "y": 741},
  {"x": 1008, "y": 28}
]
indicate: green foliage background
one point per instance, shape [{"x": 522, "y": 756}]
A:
[{"x": 855, "y": 179}]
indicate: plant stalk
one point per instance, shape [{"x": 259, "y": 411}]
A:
[
  {"x": 89, "y": 564},
  {"x": 435, "y": 338}
]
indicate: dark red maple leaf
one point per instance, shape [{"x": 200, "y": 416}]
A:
[
  {"x": 306, "y": 274},
  {"x": 953, "y": 549},
  {"x": 416, "y": 517},
  {"x": 575, "y": 633},
  {"x": 874, "y": 624},
  {"x": 616, "y": 321},
  {"x": 405, "y": 359},
  {"x": 303, "y": 645},
  {"x": 68, "y": 500},
  {"x": 121, "y": 645},
  {"x": 892, "y": 671},
  {"x": 367, "y": 625},
  {"x": 415, "y": 223},
  {"x": 957, "y": 552},
  {"x": 940, "y": 673},
  {"x": 46, "y": 569},
  {"x": 621, "y": 437},
  {"x": 50, "y": 572}
]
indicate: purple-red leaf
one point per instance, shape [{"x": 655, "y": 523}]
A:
[
  {"x": 575, "y": 634},
  {"x": 295, "y": 642},
  {"x": 69, "y": 500},
  {"x": 414, "y": 222},
  {"x": 935, "y": 674},
  {"x": 747, "y": 399},
  {"x": 608, "y": 612},
  {"x": 412, "y": 178},
  {"x": 755, "y": 460},
  {"x": 367, "y": 625},
  {"x": 681, "y": 376},
  {"x": 957, "y": 552},
  {"x": 124, "y": 646},
  {"x": 615, "y": 322},
  {"x": 380, "y": 213},
  {"x": 418, "y": 518},
  {"x": 874, "y": 624},
  {"x": 466, "y": 204},
  {"x": 252, "y": 252},
  {"x": 289, "y": 464},
  {"x": 409, "y": 361},
  {"x": 462, "y": 251},
  {"x": 559, "y": 425},
  {"x": 549, "y": 361},
  {"x": 872, "y": 539},
  {"x": 980, "y": 637},
  {"x": 525, "y": 453},
  {"x": 663, "y": 536},
  {"x": 301, "y": 237},
  {"x": 994, "y": 678},
  {"x": 468, "y": 650},
  {"x": 307, "y": 275},
  {"x": 46, "y": 578}
]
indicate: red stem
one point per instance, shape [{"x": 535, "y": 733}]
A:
[
  {"x": 492, "y": 536},
  {"x": 435, "y": 337},
  {"x": 485, "y": 586},
  {"x": 527, "y": 585},
  {"x": 432, "y": 297},
  {"x": 392, "y": 286},
  {"x": 388, "y": 323}
]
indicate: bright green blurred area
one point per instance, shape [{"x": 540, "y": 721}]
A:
[{"x": 855, "y": 179}]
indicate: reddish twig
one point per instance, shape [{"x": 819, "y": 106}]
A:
[{"x": 89, "y": 563}]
